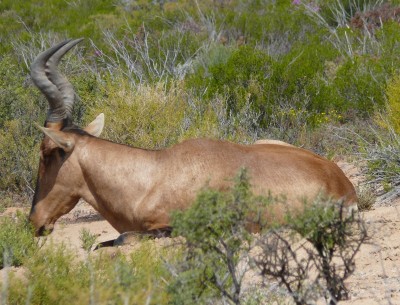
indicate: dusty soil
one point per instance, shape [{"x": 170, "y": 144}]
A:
[
  {"x": 377, "y": 276},
  {"x": 375, "y": 281}
]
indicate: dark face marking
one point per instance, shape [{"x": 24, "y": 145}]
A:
[
  {"x": 52, "y": 195},
  {"x": 50, "y": 162}
]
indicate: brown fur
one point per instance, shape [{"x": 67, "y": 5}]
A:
[{"x": 136, "y": 189}]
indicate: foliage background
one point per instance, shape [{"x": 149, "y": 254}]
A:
[
  {"x": 163, "y": 71},
  {"x": 321, "y": 74}
]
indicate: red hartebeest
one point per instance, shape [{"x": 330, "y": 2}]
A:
[{"x": 136, "y": 189}]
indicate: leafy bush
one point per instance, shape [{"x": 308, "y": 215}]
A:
[
  {"x": 331, "y": 230},
  {"x": 17, "y": 243},
  {"x": 214, "y": 262},
  {"x": 314, "y": 253},
  {"x": 393, "y": 105},
  {"x": 311, "y": 254},
  {"x": 260, "y": 23},
  {"x": 78, "y": 19},
  {"x": 161, "y": 115},
  {"x": 315, "y": 73},
  {"x": 360, "y": 84},
  {"x": 87, "y": 239},
  {"x": 245, "y": 76},
  {"x": 217, "y": 244},
  {"x": 240, "y": 77},
  {"x": 19, "y": 162},
  {"x": 353, "y": 87},
  {"x": 56, "y": 275}
]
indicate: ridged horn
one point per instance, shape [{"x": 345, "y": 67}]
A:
[
  {"x": 61, "y": 82},
  {"x": 51, "y": 83}
]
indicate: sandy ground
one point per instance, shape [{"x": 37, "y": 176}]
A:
[
  {"x": 377, "y": 276},
  {"x": 83, "y": 216},
  {"x": 376, "y": 279}
]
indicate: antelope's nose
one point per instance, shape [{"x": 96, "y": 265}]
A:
[{"x": 44, "y": 230}]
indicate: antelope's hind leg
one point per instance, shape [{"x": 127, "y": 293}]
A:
[{"x": 131, "y": 237}]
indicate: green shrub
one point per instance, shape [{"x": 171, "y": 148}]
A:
[
  {"x": 157, "y": 116},
  {"x": 78, "y": 19},
  {"x": 308, "y": 78},
  {"x": 19, "y": 160},
  {"x": 301, "y": 81},
  {"x": 241, "y": 77},
  {"x": 335, "y": 234},
  {"x": 87, "y": 239},
  {"x": 56, "y": 276},
  {"x": 17, "y": 242},
  {"x": 311, "y": 254},
  {"x": 260, "y": 23},
  {"x": 393, "y": 105},
  {"x": 146, "y": 117},
  {"x": 217, "y": 243},
  {"x": 360, "y": 83},
  {"x": 19, "y": 109},
  {"x": 314, "y": 253}
]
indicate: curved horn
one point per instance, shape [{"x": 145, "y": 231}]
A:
[
  {"x": 53, "y": 95},
  {"x": 61, "y": 82},
  {"x": 51, "y": 83}
]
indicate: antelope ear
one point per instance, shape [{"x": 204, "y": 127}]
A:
[
  {"x": 61, "y": 139},
  {"x": 96, "y": 127}
]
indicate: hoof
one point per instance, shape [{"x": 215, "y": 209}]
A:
[{"x": 127, "y": 238}]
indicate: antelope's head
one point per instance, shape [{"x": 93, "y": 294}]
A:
[{"x": 59, "y": 179}]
